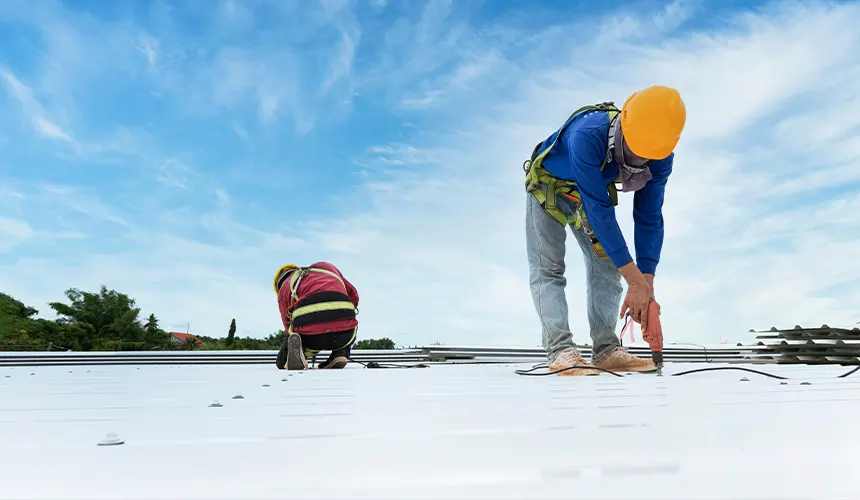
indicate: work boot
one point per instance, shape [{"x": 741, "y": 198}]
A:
[
  {"x": 336, "y": 360},
  {"x": 617, "y": 359},
  {"x": 568, "y": 358},
  {"x": 291, "y": 354}
]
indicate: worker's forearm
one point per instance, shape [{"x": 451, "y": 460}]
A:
[
  {"x": 650, "y": 279},
  {"x": 633, "y": 276}
]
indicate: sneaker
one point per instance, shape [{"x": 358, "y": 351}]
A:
[
  {"x": 617, "y": 359},
  {"x": 291, "y": 355},
  {"x": 568, "y": 358},
  {"x": 336, "y": 360}
]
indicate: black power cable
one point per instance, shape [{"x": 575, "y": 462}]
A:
[
  {"x": 697, "y": 370},
  {"x": 740, "y": 368},
  {"x": 574, "y": 367},
  {"x": 374, "y": 364}
]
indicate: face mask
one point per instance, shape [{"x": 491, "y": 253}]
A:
[{"x": 633, "y": 178}]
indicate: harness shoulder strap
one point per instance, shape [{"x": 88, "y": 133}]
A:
[
  {"x": 536, "y": 174},
  {"x": 604, "y": 106},
  {"x": 317, "y": 309}
]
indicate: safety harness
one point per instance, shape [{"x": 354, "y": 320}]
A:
[
  {"x": 544, "y": 186},
  {"x": 320, "y": 307}
]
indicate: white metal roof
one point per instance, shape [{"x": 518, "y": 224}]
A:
[{"x": 462, "y": 431}]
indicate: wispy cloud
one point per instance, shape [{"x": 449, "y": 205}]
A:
[
  {"x": 148, "y": 46},
  {"x": 13, "y": 232},
  {"x": 278, "y": 137},
  {"x": 33, "y": 109},
  {"x": 75, "y": 200}
]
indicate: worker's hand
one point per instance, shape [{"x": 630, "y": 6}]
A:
[
  {"x": 636, "y": 301},
  {"x": 650, "y": 279}
]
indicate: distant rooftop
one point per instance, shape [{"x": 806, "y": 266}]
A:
[{"x": 444, "y": 431}]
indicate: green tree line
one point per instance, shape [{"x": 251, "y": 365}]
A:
[{"x": 108, "y": 320}]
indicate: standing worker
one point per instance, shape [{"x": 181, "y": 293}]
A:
[
  {"x": 318, "y": 307},
  {"x": 571, "y": 180}
]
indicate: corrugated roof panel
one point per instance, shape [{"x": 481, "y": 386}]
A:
[{"x": 466, "y": 431}]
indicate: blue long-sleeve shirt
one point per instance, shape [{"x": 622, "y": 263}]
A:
[{"x": 577, "y": 157}]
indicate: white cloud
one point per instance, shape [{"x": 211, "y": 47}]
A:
[
  {"x": 448, "y": 239},
  {"x": 222, "y": 197},
  {"x": 13, "y": 232},
  {"x": 341, "y": 65},
  {"x": 81, "y": 202},
  {"x": 148, "y": 46},
  {"x": 33, "y": 108},
  {"x": 51, "y": 130},
  {"x": 759, "y": 210}
]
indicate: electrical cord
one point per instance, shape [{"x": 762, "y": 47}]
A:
[
  {"x": 740, "y": 368},
  {"x": 574, "y": 367},
  {"x": 697, "y": 370},
  {"x": 374, "y": 364}
]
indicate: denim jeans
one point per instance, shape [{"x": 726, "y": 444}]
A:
[{"x": 545, "y": 246}]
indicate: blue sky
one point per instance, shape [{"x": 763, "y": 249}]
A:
[{"x": 181, "y": 152}]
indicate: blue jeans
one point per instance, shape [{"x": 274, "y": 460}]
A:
[{"x": 545, "y": 246}]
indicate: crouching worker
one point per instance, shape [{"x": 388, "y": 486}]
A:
[{"x": 318, "y": 307}]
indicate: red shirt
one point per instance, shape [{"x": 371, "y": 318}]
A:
[{"x": 313, "y": 283}]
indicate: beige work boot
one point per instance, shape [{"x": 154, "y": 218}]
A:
[
  {"x": 292, "y": 354},
  {"x": 337, "y": 360},
  {"x": 617, "y": 359},
  {"x": 568, "y": 358}
]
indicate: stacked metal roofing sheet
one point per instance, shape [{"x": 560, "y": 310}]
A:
[
  {"x": 825, "y": 345},
  {"x": 429, "y": 354},
  {"x": 446, "y": 431}
]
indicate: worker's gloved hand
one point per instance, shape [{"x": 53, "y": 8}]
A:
[{"x": 639, "y": 295}]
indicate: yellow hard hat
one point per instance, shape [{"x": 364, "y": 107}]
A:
[
  {"x": 284, "y": 268},
  {"x": 652, "y": 120}
]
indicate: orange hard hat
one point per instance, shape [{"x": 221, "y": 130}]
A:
[{"x": 652, "y": 120}]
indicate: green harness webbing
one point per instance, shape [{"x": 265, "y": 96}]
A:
[{"x": 544, "y": 186}]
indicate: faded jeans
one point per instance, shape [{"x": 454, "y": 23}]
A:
[{"x": 545, "y": 246}]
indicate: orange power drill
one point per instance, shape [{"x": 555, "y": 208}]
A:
[{"x": 652, "y": 332}]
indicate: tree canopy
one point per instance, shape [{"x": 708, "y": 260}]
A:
[{"x": 108, "y": 320}]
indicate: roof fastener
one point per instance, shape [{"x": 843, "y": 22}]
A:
[
  {"x": 215, "y": 404},
  {"x": 283, "y": 380},
  {"x": 745, "y": 379},
  {"x": 238, "y": 396},
  {"x": 111, "y": 439},
  {"x": 805, "y": 383},
  {"x": 783, "y": 383},
  {"x": 266, "y": 385}
]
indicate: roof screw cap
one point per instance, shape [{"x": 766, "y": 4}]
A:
[
  {"x": 283, "y": 380},
  {"x": 783, "y": 383},
  {"x": 805, "y": 383},
  {"x": 266, "y": 385},
  {"x": 215, "y": 404},
  {"x": 238, "y": 396},
  {"x": 745, "y": 379},
  {"x": 111, "y": 439}
]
